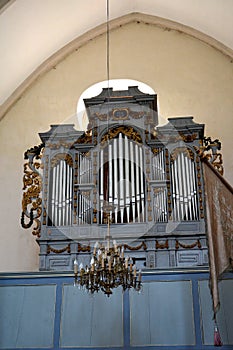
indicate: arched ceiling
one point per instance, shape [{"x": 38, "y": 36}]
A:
[{"x": 33, "y": 30}]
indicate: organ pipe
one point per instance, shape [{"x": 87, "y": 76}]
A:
[
  {"x": 61, "y": 194},
  {"x": 123, "y": 177},
  {"x": 184, "y": 194}
]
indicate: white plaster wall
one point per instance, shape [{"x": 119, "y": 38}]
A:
[{"x": 189, "y": 76}]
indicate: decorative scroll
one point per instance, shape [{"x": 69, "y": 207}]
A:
[
  {"x": 58, "y": 251},
  {"x": 86, "y": 137},
  {"x": 142, "y": 245},
  {"x": 61, "y": 156},
  {"x": 175, "y": 138},
  {"x": 83, "y": 249},
  {"x": 209, "y": 151},
  {"x": 186, "y": 151},
  {"x": 126, "y": 130},
  {"x": 60, "y": 144},
  {"x": 188, "y": 246},
  {"x": 159, "y": 245},
  {"x": 119, "y": 114},
  {"x": 32, "y": 181}
]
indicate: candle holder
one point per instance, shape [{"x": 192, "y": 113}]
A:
[{"x": 108, "y": 269}]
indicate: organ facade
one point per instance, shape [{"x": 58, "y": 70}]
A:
[{"x": 147, "y": 178}]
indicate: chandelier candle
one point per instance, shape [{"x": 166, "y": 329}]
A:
[{"x": 108, "y": 269}]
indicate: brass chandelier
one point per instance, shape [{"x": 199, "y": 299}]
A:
[{"x": 108, "y": 269}]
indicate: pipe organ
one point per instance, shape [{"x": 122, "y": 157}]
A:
[
  {"x": 148, "y": 176},
  {"x": 122, "y": 180}
]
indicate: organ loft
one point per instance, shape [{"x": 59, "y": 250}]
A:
[{"x": 145, "y": 179}]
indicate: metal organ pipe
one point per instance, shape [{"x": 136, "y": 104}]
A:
[
  {"x": 101, "y": 192},
  {"x": 184, "y": 183},
  {"x": 115, "y": 180},
  {"x": 110, "y": 178},
  {"x": 142, "y": 196},
  {"x": 64, "y": 193},
  {"x": 184, "y": 188},
  {"x": 189, "y": 196},
  {"x": 121, "y": 183},
  {"x": 137, "y": 181},
  {"x": 53, "y": 204},
  {"x": 61, "y": 194},
  {"x": 67, "y": 190},
  {"x": 56, "y": 222},
  {"x": 194, "y": 191},
  {"x": 123, "y": 176},
  {"x": 133, "y": 199},
  {"x": 127, "y": 182}
]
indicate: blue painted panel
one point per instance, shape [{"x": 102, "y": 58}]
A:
[
  {"x": 27, "y": 316},
  {"x": 224, "y": 315},
  {"x": 226, "y": 296},
  {"x": 91, "y": 320},
  {"x": 162, "y": 314}
]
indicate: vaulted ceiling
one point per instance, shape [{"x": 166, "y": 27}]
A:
[{"x": 33, "y": 30}]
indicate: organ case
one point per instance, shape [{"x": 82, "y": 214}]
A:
[{"x": 148, "y": 178}]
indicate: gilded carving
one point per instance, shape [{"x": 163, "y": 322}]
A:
[
  {"x": 161, "y": 245},
  {"x": 119, "y": 114},
  {"x": 86, "y": 137},
  {"x": 209, "y": 151},
  {"x": 126, "y": 130},
  {"x": 187, "y": 152},
  {"x": 84, "y": 249},
  {"x": 60, "y": 144},
  {"x": 61, "y": 156},
  {"x": 32, "y": 185},
  {"x": 142, "y": 245},
  {"x": 58, "y": 251},
  {"x": 188, "y": 246}
]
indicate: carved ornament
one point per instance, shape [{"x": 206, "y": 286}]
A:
[
  {"x": 119, "y": 114},
  {"x": 209, "y": 150},
  {"x": 126, "y": 130},
  {"x": 62, "y": 156},
  {"x": 161, "y": 245},
  {"x": 60, "y": 144},
  {"x": 58, "y": 251},
  {"x": 32, "y": 185},
  {"x": 188, "y": 246},
  {"x": 83, "y": 249},
  {"x": 85, "y": 138},
  {"x": 186, "y": 151},
  {"x": 142, "y": 245}
]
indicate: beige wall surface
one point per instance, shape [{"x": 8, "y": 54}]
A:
[{"x": 189, "y": 76}]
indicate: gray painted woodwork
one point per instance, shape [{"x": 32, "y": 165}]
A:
[
  {"x": 98, "y": 320},
  {"x": 27, "y": 316},
  {"x": 58, "y": 315},
  {"x": 162, "y": 314},
  {"x": 164, "y": 172}
]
